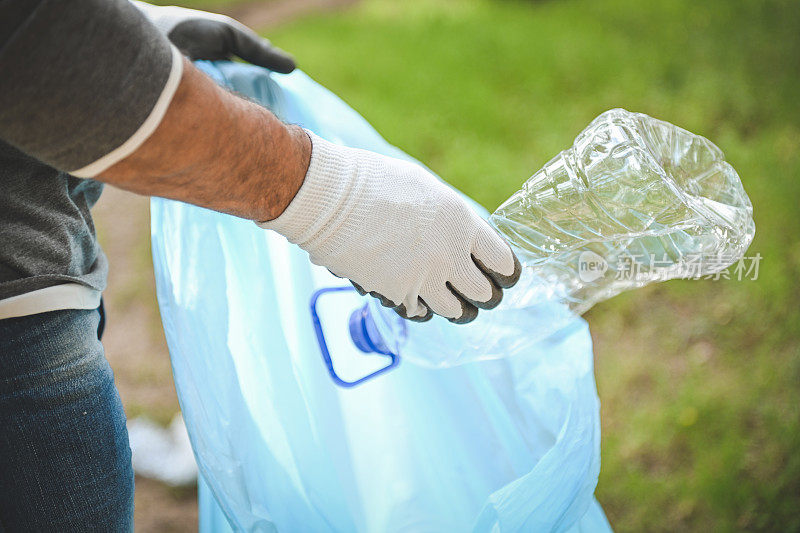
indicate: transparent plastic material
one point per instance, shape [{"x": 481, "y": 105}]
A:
[
  {"x": 633, "y": 201},
  {"x": 493, "y": 446}
]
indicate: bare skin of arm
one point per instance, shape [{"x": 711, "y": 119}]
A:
[{"x": 219, "y": 151}]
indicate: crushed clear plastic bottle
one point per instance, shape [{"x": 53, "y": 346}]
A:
[
  {"x": 634, "y": 200},
  {"x": 641, "y": 198}
]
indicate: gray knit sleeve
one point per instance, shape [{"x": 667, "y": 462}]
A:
[{"x": 79, "y": 78}]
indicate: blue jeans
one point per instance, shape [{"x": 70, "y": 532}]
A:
[{"x": 65, "y": 462}]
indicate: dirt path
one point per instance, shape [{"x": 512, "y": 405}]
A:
[
  {"x": 134, "y": 340},
  {"x": 260, "y": 15}
]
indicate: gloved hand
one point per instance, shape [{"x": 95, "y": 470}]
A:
[
  {"x": 201, "y": 35},
  {"x": 398, "y": 233}
]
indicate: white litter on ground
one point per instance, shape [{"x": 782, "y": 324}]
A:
[{"x": 161, "y": 453}]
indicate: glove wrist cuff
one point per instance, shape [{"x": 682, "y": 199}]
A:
[{"x": 320, "y": 197}]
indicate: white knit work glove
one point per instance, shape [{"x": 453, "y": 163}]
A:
[
  {"x": 398, "y": 233},
  {"x": 202, "y": 35}
]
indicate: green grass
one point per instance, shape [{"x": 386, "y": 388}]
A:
[{"x": 699, "y": 379}]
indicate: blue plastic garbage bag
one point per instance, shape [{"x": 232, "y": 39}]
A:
[{"x": 503, "y": 445}]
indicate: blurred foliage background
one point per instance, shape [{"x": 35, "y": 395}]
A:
[{"x": 699, "y": 380}]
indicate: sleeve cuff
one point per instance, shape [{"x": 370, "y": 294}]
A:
[{"x": 147, "y": 127}]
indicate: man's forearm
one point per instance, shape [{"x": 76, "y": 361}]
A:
[{"x": 219, "y": 151}]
